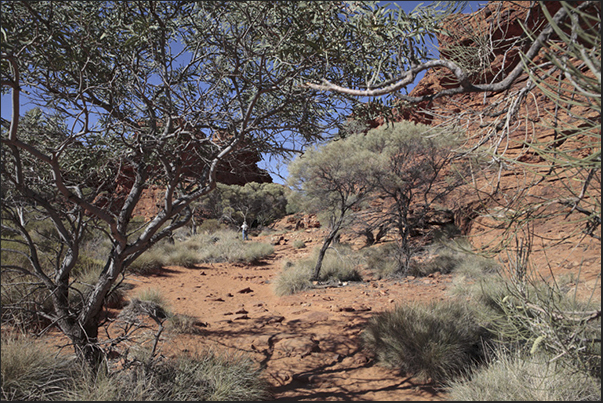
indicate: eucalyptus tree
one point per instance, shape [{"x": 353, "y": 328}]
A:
[
  {"x": 140, "y": 93},
  {"x": 412, "y": 175},
  {"x": 333, "y": 180}
]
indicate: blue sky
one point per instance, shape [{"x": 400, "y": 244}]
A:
[{"x": 273, "y": 167}]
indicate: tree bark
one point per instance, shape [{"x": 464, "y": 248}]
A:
[{"x": 323, "y": 250}]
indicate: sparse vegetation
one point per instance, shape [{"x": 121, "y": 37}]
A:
[
  {"x": 340, "y": 264},
  {"x": 292, "y": 279},
  {"x": 184, "y": 324},
  {"x": 32, "y": 371},
  {"x": 298, "y": 244},
  {"x": 70, "y": 237},
  {"x": 527, "y": 317},
  {"x": 218, "y": 246},
  {"x": 445, "y": 256}
]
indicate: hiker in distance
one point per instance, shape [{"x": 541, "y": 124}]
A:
[{"x": 244, "y": 229}]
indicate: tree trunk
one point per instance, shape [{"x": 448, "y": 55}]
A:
[
  {"x": 84, "y": 337},
  {"x": 404, "y": 252},
  {"x": 88, "y": 349},
  {"x": 322, "y": 252},
  {"x": 83, "y": 329}
]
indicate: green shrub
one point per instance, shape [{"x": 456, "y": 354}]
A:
[
  {"x": 292, "y": 279},
  {"x": 512, "y": 376},
  {"x": 529, "y": 313},
  {"x": 30, "y": 371},
  {"x": 298, "y": 244},
  {"x": 209, "y": 226},
  {"x": 340, "y": 264},
  {"x": 434, "y": 341},
  {"x": 259, "y": 204}
]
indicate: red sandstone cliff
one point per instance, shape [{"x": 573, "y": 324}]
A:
[{"x": 539, "y": 120}]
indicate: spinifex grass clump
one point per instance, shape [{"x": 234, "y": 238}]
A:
[
  {"x": 204, "y": 376},
  {"x": 33, "y": 371},
  {"x": 30, "y": 371},
  {"x": 513, "y": 376},
  {"x": 434, "y": 341},
  {"x": 444, "y": 256}
]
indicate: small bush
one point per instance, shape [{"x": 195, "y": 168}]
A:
[
  {"x": 435, "y": 341},
  {"x": 509, "y": 376},
  {"x": 151, "y": 295},
  {"x": 454, "y": 255},
  {"x": 182, "y": 324},
  {"x": 204, "y": 376},
  {"x": 215, "y": 376},
  {"x": 298, "y": 244},
  {"x": 209, "y": 226},
  {"x": 533, "y": 315},
  {"x": 443, "y": 263},
  {"x": 339, "y": 264},
  {"x": 22, "y": 301},
  {"x": 292, "y": 279},
  {"x": 150, "y": 261},
  {"x": 444, "y": 256},
  {"x": 381, "y": 261}
]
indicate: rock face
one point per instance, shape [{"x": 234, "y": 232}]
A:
[
  {"x": 241, "y": 168},
  {"x": 502, "y": 20},
  {"x": 486, "y": 119},
  {"x": 483, "y": 116},
  {"x": 238, "y": 168}
]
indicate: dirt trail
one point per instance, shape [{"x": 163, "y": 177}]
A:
[{"x": 308, "y": 343}]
